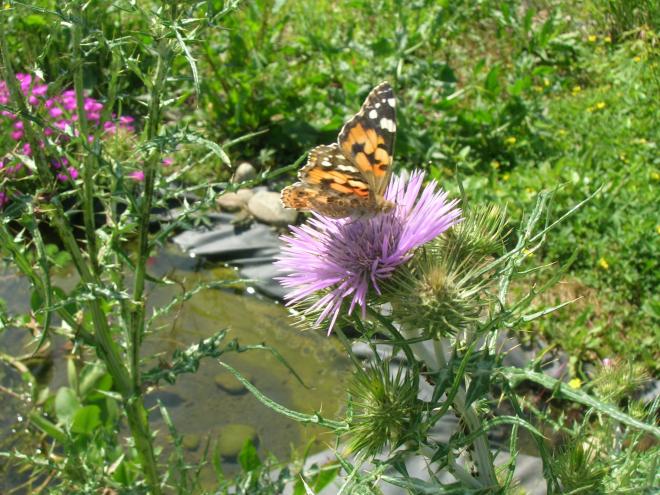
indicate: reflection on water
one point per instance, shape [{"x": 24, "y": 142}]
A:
[{"x": 202, "y": 403}]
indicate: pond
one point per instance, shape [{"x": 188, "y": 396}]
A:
[{"x": 203, "y": 404}]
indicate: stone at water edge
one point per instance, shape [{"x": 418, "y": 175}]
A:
[
  {"x": 230, "y": 384},
  {"x": 245, "y": 171},
  {"x": 232, "y": 437},
  {"x": 235, "y": 201},
  {"x": 266, "y": 207},
  {"x": 190, "y": 441}
]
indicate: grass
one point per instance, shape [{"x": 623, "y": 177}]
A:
[{"x": 513, "y": 98}]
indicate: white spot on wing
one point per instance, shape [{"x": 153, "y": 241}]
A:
[
  {"x": 391, "y": 102},
  {"x": 388, "y": 124},
  {"x": 373, "y": 114},
  {"x": 346, "y": 168}
]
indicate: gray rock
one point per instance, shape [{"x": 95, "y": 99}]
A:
[
  {"x": 266, "y": 207},
  {"x": 245, "y": 171},
  {"x": 235, "y": 201},
  {"x": 232, "y": 437}
]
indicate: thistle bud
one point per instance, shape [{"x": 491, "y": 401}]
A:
[{"x": 384, "y": 407}]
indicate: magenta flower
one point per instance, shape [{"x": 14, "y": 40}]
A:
[
  {"x": 137, "y": 176},
  {"x": 60, "y": 113},
  {"x": 345, "y": 258}
]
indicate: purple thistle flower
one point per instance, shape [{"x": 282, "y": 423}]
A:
[{"x": 347, "y": 257}]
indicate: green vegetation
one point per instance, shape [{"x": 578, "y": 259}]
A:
[
  {"x": 499, "y": 100},
  {"x": 514, "y": 100}
]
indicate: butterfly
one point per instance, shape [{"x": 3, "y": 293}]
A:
[{"x": 348, "y": 178}]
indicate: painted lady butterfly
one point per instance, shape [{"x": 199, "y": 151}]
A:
[{"x": 348, "y": 178}]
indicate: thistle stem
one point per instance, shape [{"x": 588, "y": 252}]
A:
[
  {"x": 483, "y": 457},
  {"x": 431, "y": 353}
]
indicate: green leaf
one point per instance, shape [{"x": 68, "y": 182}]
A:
[
  {"x": 90, "y": 376},
  {"x": 492, "y": 83},
  {"x": 47, "y": 427},
  {"x": 480, "y": 380},
  {"x": 324, "y": 477},
  {"x": 34, "y": 20},
  {"x": 295, "y": 415},
  {"x": 66, "y": 404},
  {"x": 86, "y": 420},
  {"x": 248, "y": 458}
]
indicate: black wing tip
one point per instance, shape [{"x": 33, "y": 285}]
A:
[{"x": 383, "y": 86}]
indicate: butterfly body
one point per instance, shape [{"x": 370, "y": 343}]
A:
[{"x": 349, "y": 178}]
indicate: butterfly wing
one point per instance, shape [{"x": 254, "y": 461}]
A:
[
  {"x": 368, "y": 138},
  {"x": 329, "y": 184}
]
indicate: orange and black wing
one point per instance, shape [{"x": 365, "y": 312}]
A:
[
  {"x": 367, "y": 139},
  {"x": 329, "y": 184}
]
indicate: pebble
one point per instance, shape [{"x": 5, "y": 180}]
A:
[
  {"x": 235, "y": 201},
  {"x": 245, "y": 171},
  {"x": 232, "y": 437},
  {"x": 190, "y": 441},
  {"x": 266, "y": 207}
]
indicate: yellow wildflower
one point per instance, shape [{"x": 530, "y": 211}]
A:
[
  {"x": 575, "y": 383},
  {"x": 505, "y": 176},
  {"x": 637, "y": 59},
  {"x": 562, "y": 132},
  {"x": 602, "y": 262},
  {"x": 600, "y": 105},
  {"x": 657, "y": 229},
  {"x": 576, "y": 89},
  {"x": 640, "y": 141},
  {"x": 511, "y": 140},
  {"x": 655, "y": 175},
  {"x": 592, "y": 38},
  {"x": 494, "y": 164},
  {"x": 546, "y": 82},
  {"x": 607, "y": 39}
]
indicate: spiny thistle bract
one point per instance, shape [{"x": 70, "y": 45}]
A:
[
  {"x": 481, "y": 233},
  {"x": 578, "y": 469},
  {"x": 615, "y": 379},
  {"x": 384, "y": 408},
  {"x": 442, "y": 288}
]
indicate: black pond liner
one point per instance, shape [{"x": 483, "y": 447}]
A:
[{"x": 252, "y": 249}]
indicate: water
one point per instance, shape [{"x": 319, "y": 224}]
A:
[{"x": 198, "y": 406}]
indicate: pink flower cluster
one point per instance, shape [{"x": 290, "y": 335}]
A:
[{"x": 59, "y": 112}]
